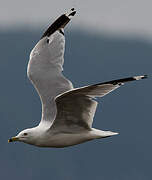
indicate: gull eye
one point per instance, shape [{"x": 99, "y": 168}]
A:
[{"x": 25, "y": 134}]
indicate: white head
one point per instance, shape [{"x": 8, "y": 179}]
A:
[{"x": 28, "y": 136}]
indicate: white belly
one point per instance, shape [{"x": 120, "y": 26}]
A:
[
  {"x": 60, "y": 139},
  {"x": 65, "y": 139}
]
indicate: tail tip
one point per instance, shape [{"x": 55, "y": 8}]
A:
[
  {"x": 114, "y": 133},
  {"x": 111, "y": 133}
]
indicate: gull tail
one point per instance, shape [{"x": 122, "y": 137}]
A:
[
  {"x": 106, "y": 134},
  {"x": 103, "y": 134}
]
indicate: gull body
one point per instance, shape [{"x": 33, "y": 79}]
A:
[
  {"x": 67, "y": 112},
  {"x": 58, "y": 139}
]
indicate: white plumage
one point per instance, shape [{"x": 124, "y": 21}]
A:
[{"x": 67, "y": 112}]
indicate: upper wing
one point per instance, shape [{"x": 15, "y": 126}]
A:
[
  {"x": 45, "y": 66},
  {"x": 76, "y": 108}
]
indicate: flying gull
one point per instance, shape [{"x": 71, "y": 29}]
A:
[{"x": 67, "y": 112}]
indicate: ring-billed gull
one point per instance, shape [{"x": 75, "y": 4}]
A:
[{"x": 67, "y": 112}]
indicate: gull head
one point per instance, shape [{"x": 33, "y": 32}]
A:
[{"x": 26, "y": 136}]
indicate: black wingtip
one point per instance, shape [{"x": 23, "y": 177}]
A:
[
  {"x": 59, "y": 23},
  {"x": 140, "y": 77},
  {"x": 124, "y": 80},
  {"x": 145, "y": 76},
  {"x": 71, "y": 13}
]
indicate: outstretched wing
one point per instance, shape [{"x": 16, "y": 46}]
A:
[
  {"x": 76, "y": 108},
  {"x": 45, "y": 66}
]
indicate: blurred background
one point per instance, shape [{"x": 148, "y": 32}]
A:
[{"x": 106, "y": 40}]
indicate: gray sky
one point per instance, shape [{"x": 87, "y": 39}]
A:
[{"x": 120, "y": 16}]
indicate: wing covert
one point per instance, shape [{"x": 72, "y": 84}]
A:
[
  {"x": 74, "y": 112},
  {"x": 77, "y": 107}
]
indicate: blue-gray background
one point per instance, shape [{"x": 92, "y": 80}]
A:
[
  {"x": 108, "y": 40},
  {"x": 89, "y": 58}
]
